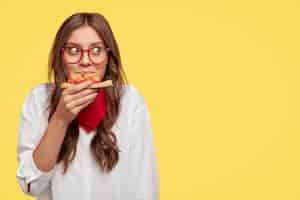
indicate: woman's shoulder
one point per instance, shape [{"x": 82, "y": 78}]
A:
[
  {"x": 38, "y": 96},
  {"x": 133, "y": 96},
  {"x": 42, "y": 91},
  {"x": 42, "y": 88}
]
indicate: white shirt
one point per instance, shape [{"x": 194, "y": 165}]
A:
[{"x": 134, "y": 178}]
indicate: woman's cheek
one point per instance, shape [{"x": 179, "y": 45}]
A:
[
  {"x": 71, "y": 68},
  {"x": 101, "y": 69},
  {"x": 102, "y": 66},
  {"x": 101, "y": 73}
]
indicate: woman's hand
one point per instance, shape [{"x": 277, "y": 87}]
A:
[{"x": 73, "y": 100}]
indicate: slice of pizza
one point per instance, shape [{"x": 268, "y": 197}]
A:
[
  {"x": 91, "y": 76},
  {"x": 76, "y": 78}
]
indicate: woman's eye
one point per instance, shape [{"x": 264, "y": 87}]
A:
[
  {"x": 96, "y": 50},
  {"x": 73, "y": 50}
]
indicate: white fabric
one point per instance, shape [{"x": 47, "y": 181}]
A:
[{"x": 135, "y": 177}]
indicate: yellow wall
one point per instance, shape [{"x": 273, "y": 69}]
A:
[{"x": 220, "y": 78}]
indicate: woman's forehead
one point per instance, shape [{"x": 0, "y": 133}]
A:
[
  {"x": 88, "y": 44},
  {"x": 85, "y": 36}
]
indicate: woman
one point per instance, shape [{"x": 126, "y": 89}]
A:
[{"x": 67, "y": 149}]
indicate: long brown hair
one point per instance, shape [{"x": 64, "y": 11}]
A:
[{"x": 103, "y": 146}]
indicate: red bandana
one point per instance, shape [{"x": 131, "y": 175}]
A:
[{"x": 92, "y": 115}]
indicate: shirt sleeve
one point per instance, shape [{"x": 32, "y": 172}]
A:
[
  {"x": 32, "y": 180},
  {"x": 145, "y": 175}
]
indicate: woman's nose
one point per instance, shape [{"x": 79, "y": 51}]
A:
[{"x": 85, "y": 61}]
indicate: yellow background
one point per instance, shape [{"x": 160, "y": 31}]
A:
[{"x": 220, "y": 78}]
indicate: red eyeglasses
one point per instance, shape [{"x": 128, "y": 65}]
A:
[{"x": 74, "y": 54}]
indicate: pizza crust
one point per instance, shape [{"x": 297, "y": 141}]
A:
[{"x": 76, "y": 78}]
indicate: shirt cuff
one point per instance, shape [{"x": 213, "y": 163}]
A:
[{"x": 30, "y": 171}]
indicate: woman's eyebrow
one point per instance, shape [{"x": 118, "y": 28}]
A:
[{"x": 92, "y": 44}]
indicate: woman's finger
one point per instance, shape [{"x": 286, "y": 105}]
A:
[
  {"x": 82, "y": 100},
  {"x": 74, "y": 88},
  {"x": 82, "y": 93},
  {"x": 77, "y": 109}
]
